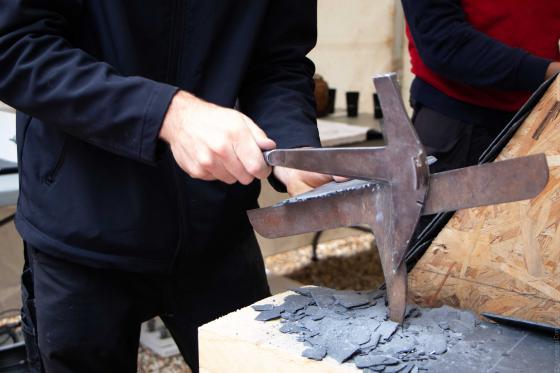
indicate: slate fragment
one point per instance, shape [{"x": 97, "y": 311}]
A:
[
  {"x": 354, "y": 325},
  {"x": 290, "y": 328},
  {"x": 315, "y": 353},
  {"x": 269, "y": 315},
  {"x": 458, "y": 326},
  {"x": 341, "y": 350},
  {"x": 400, "y": 368},
  {"x": 323, "y": 300},
  {"x": 367, "y": 361},
  {"x": 372, "y": 344},
  {"x": 438, "y": 344},
  {"x": 262, "y": 307},
  {"x": 312, "y": 310},
  {"x": 387, "y": 329},
  {"x": 294, "y": 303},
  {"x": 375, "y": 369},
  {"x": 359, "y": 336},
  {"x": 351, "y": 300}
]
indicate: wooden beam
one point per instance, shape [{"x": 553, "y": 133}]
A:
[{"x": 237, "y": 343}]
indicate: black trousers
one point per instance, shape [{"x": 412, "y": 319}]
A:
[
  {"x": 82, "y": 319},
  {"x": 454, "y": 143}
]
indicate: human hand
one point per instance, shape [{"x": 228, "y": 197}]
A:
[
  {"x": 553, "y": 69},
  {"x": 298, "y": 182},
  {"x": 210, "y": 142}
]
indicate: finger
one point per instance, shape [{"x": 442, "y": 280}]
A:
[
  {"x": 220, "y": 172},
  {"x": 340, "y": 179},
  {"x": 260, "y": 137},
  {"x": 229, "y": 161},
  {"x": 250, "y": 156},
  {"x": 234, "y": 166},
  {"x": 297, "y": 188},
  {"x": 197, "y": 172},
  {"x": 189, "y": 165}
]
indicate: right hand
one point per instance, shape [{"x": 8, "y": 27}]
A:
[{"x": 210, "y": 142}]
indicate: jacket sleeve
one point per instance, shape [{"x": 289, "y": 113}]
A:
[
  {"x": 277, "y": 92},
  {"x": 46, "y": 77},
  {"x": 449, "y": 45}
]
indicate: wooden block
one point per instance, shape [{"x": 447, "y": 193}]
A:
[
  {"x": 238, "y": 343},
  {"x": 504, "y": 258}
]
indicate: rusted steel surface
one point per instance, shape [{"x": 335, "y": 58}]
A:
[
  {"x": 488, "y": 184},
  {"x": 393, "y": 189}
]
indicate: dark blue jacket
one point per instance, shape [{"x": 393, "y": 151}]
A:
[{"x": 92, "y": 80}]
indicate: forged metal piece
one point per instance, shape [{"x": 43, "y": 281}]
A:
[
  {"x": 392, "y": 189},
  {"x": 524, "y": 324}
]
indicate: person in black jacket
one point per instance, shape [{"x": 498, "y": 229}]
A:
[{"x": 136, "y": 171}]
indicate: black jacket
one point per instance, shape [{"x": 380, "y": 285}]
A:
[{"x": 92, "y": 80}]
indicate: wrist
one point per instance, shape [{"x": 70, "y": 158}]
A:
[{"x": 175, "y": 113}]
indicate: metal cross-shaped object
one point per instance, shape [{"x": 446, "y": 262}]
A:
[{"x": 392, "y": 188}]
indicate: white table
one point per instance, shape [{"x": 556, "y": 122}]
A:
[
  {"x": 339, "y": 130},
  {"x": 9, "y": 184}
]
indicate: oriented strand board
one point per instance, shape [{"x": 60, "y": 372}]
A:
[
  {"x": 504, "y": 258},
  {"x": 237, "y": 343}
]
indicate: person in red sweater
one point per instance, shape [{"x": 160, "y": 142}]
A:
[{"x": 476, "y": 62}]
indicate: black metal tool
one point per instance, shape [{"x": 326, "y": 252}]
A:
[
  {"x": 392, "y": 189},
  {"x": 540, "y": 327}
]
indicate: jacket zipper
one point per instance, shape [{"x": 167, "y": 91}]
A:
[
  {"x": 172, "y": 72},
  {"x": 51, "y": 177}
]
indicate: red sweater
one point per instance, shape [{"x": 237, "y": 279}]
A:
[{"x": 531, "y": 25}]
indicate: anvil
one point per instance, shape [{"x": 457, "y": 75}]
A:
[{"x": 391, "y": 188}]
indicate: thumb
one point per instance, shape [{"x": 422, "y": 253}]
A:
[
  {"x": 260, "y": 137},
  {"x": 340, "y": 179}
]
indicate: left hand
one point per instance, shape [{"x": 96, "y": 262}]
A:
[{"x": 298, "y": 182}]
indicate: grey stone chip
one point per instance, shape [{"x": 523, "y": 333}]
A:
[
  {"x": 351, "y": 300},
  {"x": 269, "y": 315},
  {"x": 353, "y": 326},
  {"x": 262, "y": 307},
  {"x": 315, "y": 353},
  {"x": 387, "y": 329},
  {"x": 371, "y": 360}
]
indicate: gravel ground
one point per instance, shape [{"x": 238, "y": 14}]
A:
[
  {"x": 351, "y": 263},
  {"x": 148, "y": 362}
]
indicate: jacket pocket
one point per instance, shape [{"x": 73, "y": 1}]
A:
[{"x": 51, "y": 175}]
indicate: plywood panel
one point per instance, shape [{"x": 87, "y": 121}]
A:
[{"x": 504, "y": 258}]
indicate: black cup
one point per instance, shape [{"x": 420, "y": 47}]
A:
[
  {"x": 332, "y": 99},
  {"x": 377, "y": 112},
  {"x": 352, "y": 98}
]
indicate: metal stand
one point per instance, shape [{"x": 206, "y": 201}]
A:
[{"x": 317, "y": 237}]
